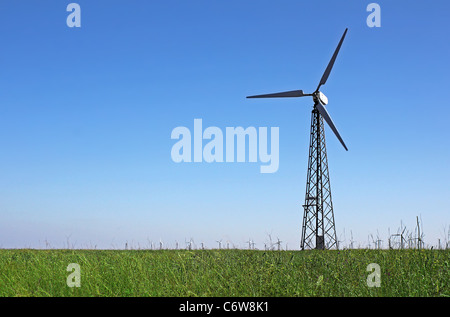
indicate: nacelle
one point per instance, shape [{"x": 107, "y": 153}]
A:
[{"x": 322, "y": 98}]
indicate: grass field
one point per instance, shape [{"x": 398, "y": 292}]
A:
[{"x": 224, "y": 273}]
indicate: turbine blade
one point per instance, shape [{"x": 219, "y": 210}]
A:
[
  {"x": 331, "y": 64},
  {"x": 324, "y": 113},
  {"x": 287, "y": 94}
]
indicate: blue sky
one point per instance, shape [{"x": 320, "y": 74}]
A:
[{"x": 86, "y": 116}]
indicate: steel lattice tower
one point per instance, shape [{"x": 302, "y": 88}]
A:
[{"x": 318, "y": 230}]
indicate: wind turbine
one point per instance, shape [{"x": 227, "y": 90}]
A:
[
  {"x": 318, "y": 230},
  {"x": 188, "y": 244},
  {"x": 401, "y": 235},
  {"x": 419, "y": 235},
  {"x": 351, "y": 240},
  {"x": 191, "y": 240},
  {"x": 270, "y": 242},
  {"x": 279, "y": 243},
  {"x": 379, "y": 241},
  {"x": 249, "y": 243}
]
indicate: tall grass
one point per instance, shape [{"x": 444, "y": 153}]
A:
[{"x": 224, "y": 273}]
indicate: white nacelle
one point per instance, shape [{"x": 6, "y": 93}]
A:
[{"x": 322, "y": 98}]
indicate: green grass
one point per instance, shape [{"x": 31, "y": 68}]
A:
[{"x": 224, "y": 273}]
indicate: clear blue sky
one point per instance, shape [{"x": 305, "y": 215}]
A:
[{"x": 86, "y": 116}]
